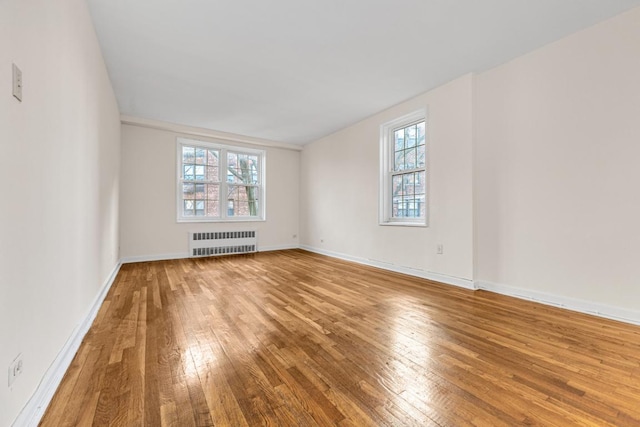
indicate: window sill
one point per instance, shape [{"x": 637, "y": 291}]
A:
[
  {"x": 216, "y": 220},
  {"x": 404, "y": 224}
]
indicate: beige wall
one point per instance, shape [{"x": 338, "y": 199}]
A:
[
  {"x": 58, "y": 185},
  {"x": 148, "y": 198},
  {"x": 557, "y": 180},
  {"x": 339, "y": 197}
]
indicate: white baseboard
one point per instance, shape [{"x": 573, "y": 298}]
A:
[
  {"x": 442, "y": 278},
  {"x": 277, "y": 248},
  {"x": 165, "y": 257},
  {"x": 34, "y": 409},
  {"x": 159, "y": 257},
  {"x": 573, "y": 304}
]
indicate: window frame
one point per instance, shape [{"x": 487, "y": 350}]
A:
[
  {"x": 223, "y": 150},
  {"x": 387, "y": 170}
]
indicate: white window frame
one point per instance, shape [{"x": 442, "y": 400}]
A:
[
  {"x": 223, "y": 149},
  {"x": 386, "y": 169}
]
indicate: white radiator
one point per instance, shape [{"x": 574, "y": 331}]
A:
[{"x": 222, "y": 243}]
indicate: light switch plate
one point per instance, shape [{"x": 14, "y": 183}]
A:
[{"x": 17, "y": 83}]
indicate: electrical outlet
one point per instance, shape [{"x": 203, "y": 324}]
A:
[
  {"x": 295, "y": 236},
  {"x": 15, "y": 369},
  {"x": 440, "y": 249},
  {"x": 321, "y": 240},
  {"x": 17, "y": 82}
]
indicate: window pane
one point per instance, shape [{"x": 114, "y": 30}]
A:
[
  {"x": 187, "y": 190},
  {"x": 188, "y": 154},
  {"x": 246, "y": 164},
  {"x": 188, "y": 172},
  {"x": 250, "y": 170},
  {"x": 233, "y": 175},
  {"x": 212, "y": 174},
  {"x": 254, "y": 206},
  {"x": 212, "y": 208},
  {"x": 407, "y": 183},
  {"x": 395, "y": 208},
  {"x": 200, "y": 155},
  {"x": 200, "y": 199},
  {"x": 399, "y": 161},
  {"x": 212, "y": 158},
  {"x": 396, "y": 185},
  {"x": 200, "y": 208},
  {"x": 420, "y": 182},
  {"x": 245, "y": 200},
  {"x": 410, "y": 136},
  {"x": 200, "y": 194},
  {"x": 420, "y": 156},
  {"x": 213, "y": 163},
  {"x": 212, "y": 200},
  {"x": 188, "y": 208},
  {"x": 242, "y": 168},
  {"x": 213, "y": 192},
  {"x": 398, "y": 140},
  {"x": 421, "y": 133},
  {"x": 199, "y": 173},
  {"x": 410, "y": 158},
  {"x": 410, "y": 207}
]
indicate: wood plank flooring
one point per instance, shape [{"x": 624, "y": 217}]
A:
[{"x": 291, "y": 338}]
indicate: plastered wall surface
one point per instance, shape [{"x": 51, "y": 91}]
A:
[{"x": 59, "y": 184}]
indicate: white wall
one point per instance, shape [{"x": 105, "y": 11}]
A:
[
  {"x": 553, "y": 176},
  {"x": 339, "y": 196},
  {"x": 58, "y": 185},
  {"x": 148, "y": 197},
  {"x": 557, "y": 174}
]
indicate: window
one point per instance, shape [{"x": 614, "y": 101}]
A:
[
  {"x": 403, "y": 177},
  {"x": 219, "y": 183}
]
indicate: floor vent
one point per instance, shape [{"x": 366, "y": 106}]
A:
[{"x": 222, "y": 243}]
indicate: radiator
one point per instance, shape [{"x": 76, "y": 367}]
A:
[{"x": 222, "y": 243}]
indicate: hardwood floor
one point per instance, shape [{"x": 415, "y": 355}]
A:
[{"x": 292, "y": 338}]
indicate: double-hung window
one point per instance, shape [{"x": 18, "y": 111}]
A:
[
  {"x": 218, "y": 182},
  {"x": 403, "y": 176}
]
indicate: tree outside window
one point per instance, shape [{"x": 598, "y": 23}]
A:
[{"x": 201, "y": 183}]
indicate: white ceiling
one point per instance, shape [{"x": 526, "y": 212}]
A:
[{"x": 296, "y": 70}]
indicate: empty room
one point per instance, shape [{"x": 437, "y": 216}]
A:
[{"x": 301, "y": 213}]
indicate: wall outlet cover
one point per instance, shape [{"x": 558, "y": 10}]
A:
[
  {"x": 15, "y": 369},
  {"x": 17, "y": 83}
]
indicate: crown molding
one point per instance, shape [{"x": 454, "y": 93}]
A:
[{"x": 203, "y": 132}]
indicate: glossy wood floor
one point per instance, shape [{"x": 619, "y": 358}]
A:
[{"x": 292, "y": 338}]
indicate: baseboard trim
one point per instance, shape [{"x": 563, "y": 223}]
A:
[
  {"x": 429, "y": 275},
  {"x": 277, "y": 248},
  {"x": 34, "y": 409},
  {"x": 159, "y": 257},
  {"x": 166, "y": 257},
  {"x": 567, "y": 303}
]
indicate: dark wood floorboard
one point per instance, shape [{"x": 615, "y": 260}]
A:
[{"x": 292, "y": 338}]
